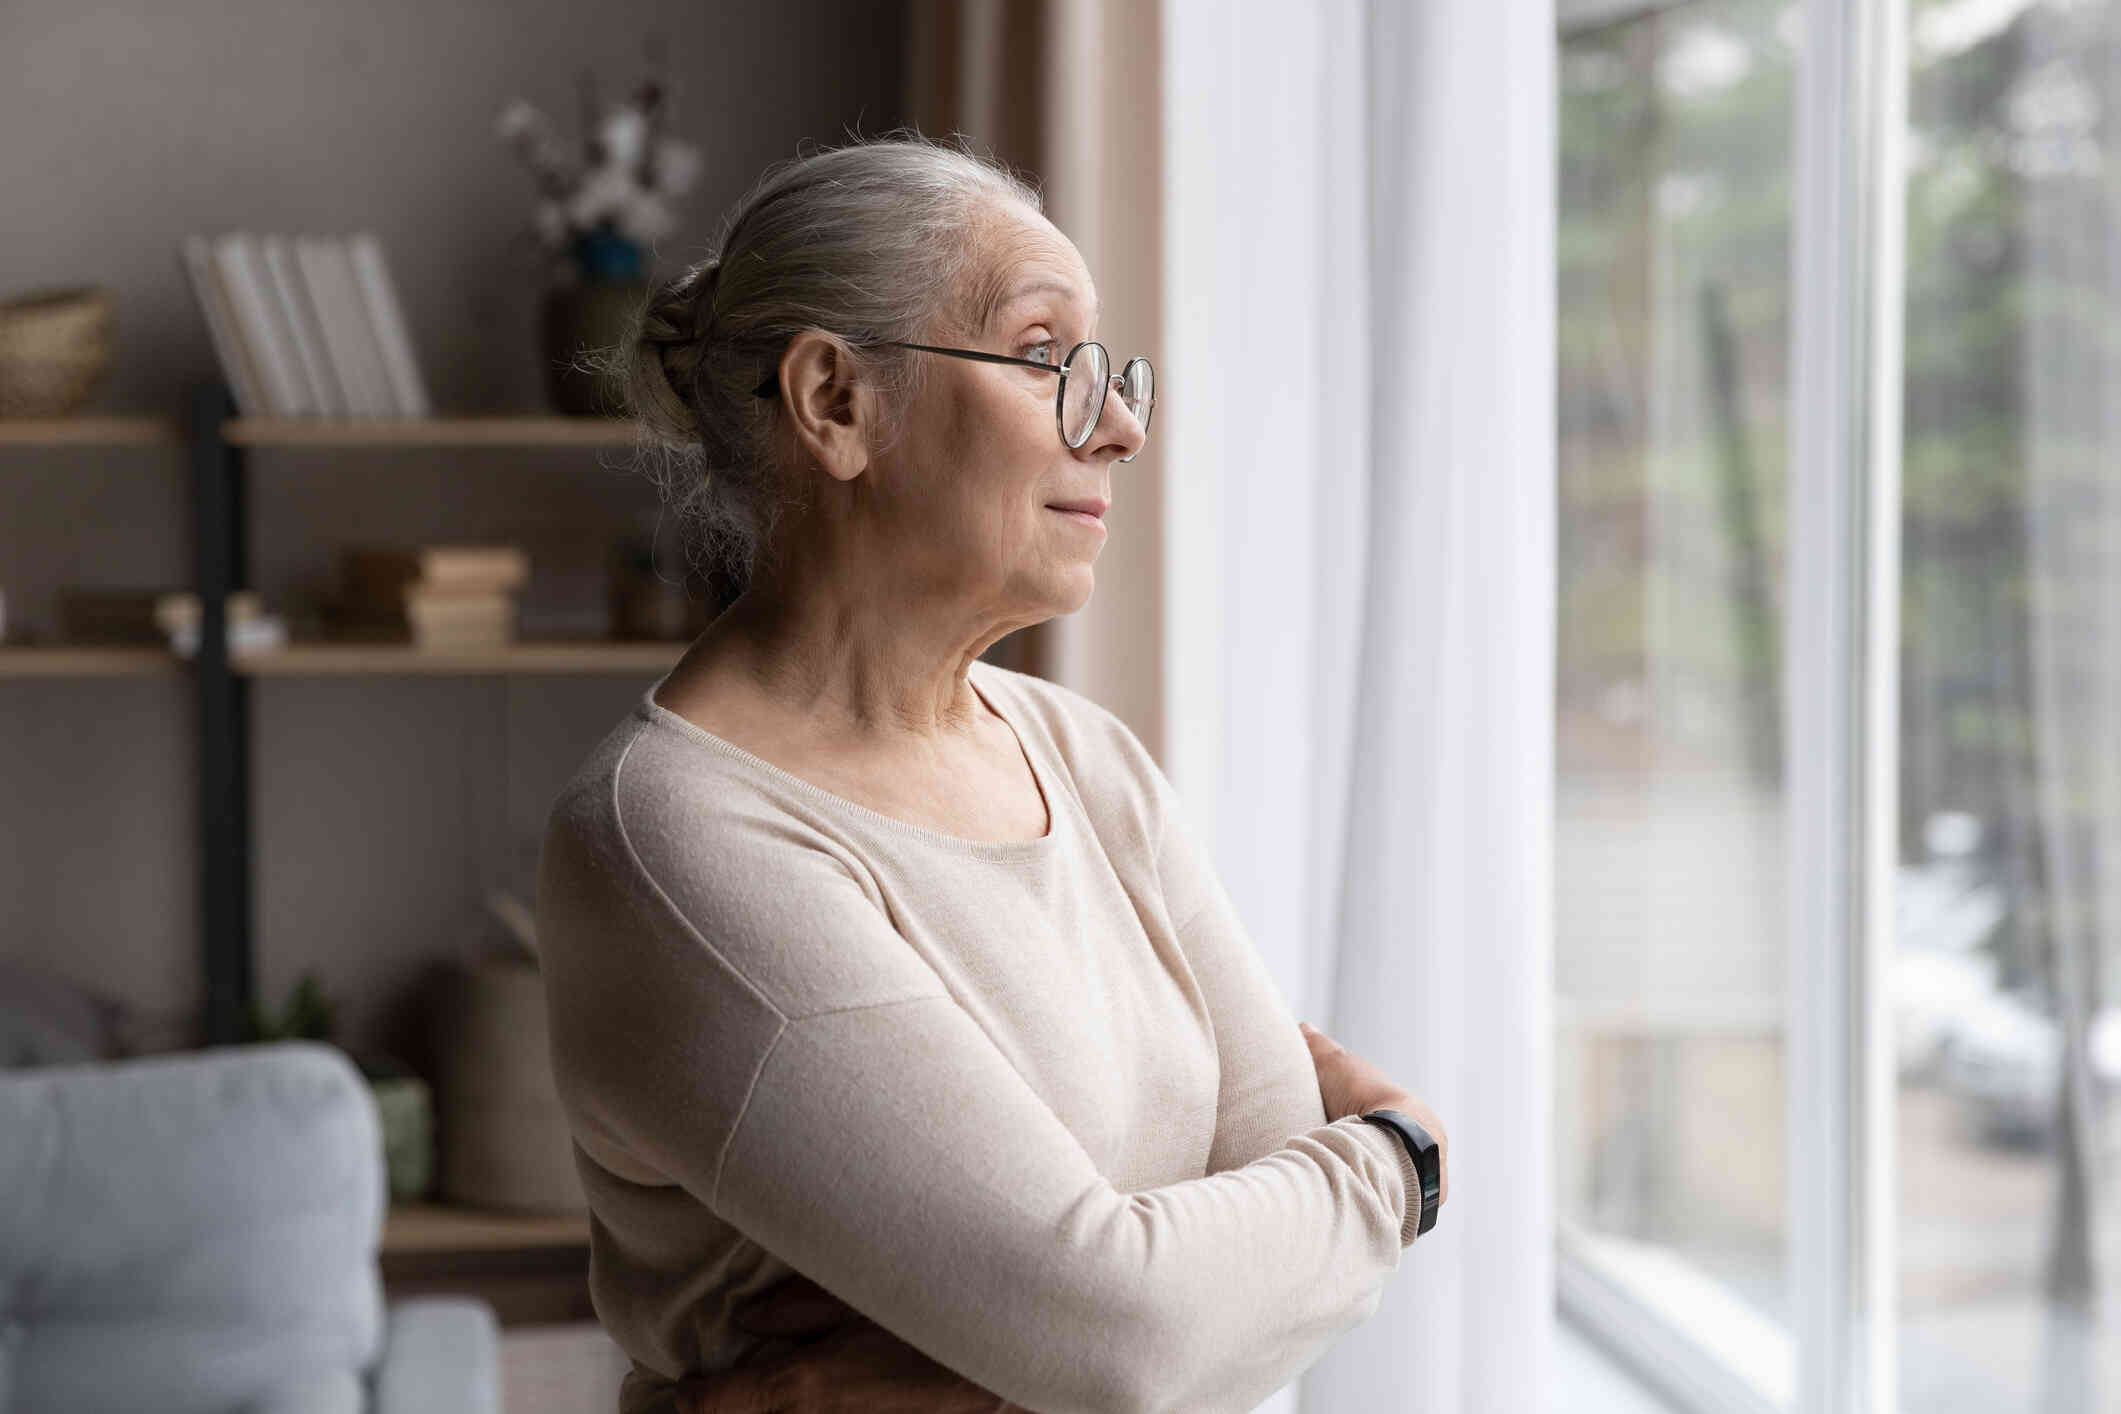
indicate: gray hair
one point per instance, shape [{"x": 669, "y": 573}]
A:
[{"x": 872, "y": 241}]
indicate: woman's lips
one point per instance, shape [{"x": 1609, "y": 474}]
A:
[{"x": 1085, "y": 517}]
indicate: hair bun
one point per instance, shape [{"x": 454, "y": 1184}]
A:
[
  {"x": 705, "y": 283},
  {"x": 681, "y": 310}
]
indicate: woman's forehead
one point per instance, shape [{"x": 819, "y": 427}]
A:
[
  {"x": 1029, "y": 277},
  {"x": 1029, "y": 259}
]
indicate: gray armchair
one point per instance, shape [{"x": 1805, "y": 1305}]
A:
[{"x": 196, "y": 1234}]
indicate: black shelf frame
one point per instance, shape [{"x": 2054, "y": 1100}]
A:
[{"x": 221, "y": 566}]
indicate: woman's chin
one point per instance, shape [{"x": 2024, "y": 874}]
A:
[{"x": 1070, "y": 589}]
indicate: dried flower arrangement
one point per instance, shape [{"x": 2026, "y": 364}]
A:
[{"x": 599, "y": 208}]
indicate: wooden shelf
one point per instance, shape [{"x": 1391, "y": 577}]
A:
[
  {"x": 560, "y": 657},
  {"x": 431, "y": 432},
  {"x": 115, "y": 660},
  {"x": 587, "y": 657},
  {"x": 112, "y": 431},
  {"x": 427, "y": 1229},
  {"x": 136, "y": 431}
]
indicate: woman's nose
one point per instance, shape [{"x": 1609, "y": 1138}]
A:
[{"x": 1129, "y": 432}]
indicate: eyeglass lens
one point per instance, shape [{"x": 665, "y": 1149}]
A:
[{"x": 1089, "y": 374}]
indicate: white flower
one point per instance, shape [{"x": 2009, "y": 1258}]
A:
[
  {"x": 644, "y": 219},
  {"x": 625, "y": 133},
  {"x": 675, "y": 165},
  {"x": 602, "y": 193}
]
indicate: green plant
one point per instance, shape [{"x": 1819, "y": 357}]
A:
[{"x": 307, "y": 1016}]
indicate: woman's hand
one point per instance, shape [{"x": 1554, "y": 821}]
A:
[
  {"x": 843, "y": 1361},
  {"x": 1350, "y": 1085}
]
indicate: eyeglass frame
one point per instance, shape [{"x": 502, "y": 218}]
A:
[{"x": 771, "y": 384}]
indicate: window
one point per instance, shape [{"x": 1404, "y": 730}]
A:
[
  {"x": 1956, "y": 166},
  {"x": 2010, "y": 786},
  {"x": 1669, "y": 857}
]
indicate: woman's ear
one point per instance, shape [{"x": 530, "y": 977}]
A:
[{"x": 829, "y": 406}]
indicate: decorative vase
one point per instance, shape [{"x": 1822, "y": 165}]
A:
[
  {"x": 592, "y": 312},
  {"x": 406, "y": 1111},
  {"x": 505, "y": 1142}
]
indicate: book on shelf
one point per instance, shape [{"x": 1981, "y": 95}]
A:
[
  {"x": 438, "y": 596},
  {"x": 300, "y": 314},
  {"x": 220, "y": 316},
  {"x": 456, "y": 619},
  {"x": 260, "y": 326},
  {"x": 307, "y": 326},
  {"x": 376, "y": 576},
  {"x": 349, "y": 341},
  {"x": 435, "y": 621},
  {"x": 380, "y": 295}
]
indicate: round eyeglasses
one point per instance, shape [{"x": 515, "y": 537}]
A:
[{"x": 1086, "y": 376}]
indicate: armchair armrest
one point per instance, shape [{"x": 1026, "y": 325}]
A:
[
  {"x": 333, "y": 1392},
  {"x": 441, "y": 1355}
]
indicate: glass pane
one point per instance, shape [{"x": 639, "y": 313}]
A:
[
  {"x": 1138, "y": 387},
  {"x": 1089, "y": 374},
  {"x": 1676, "y": 130},
  {"x": 2009, "y": 886}
]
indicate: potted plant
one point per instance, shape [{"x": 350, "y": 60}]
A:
[
  {"x": 403, "y": 1105},
  {"x": 598, "y": 209}
]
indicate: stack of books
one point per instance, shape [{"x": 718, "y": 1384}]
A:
[
  {"x": 444, "y": 598},
  {"x": 306, "y": 326}
]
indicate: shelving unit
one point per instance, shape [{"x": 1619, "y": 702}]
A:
[
  {"x": 550, "y": 657},
  {"x": 119, "y": 431},
  {"x": 430, "y": 432},
  {"x": 424, "y": 1229},
  {"x": 532, "y": 1268},
  {"x": 221, "y": 444},
  {"x": 88, "y": 661}
]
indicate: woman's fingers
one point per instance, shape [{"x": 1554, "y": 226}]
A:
[
  {"x": 795, "y": 1307},
  {"x": 740, "y": 1391},
  {"x": 864, "y": 1367}
]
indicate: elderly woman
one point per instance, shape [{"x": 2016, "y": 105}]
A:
[{"x": 889, "y": 981}]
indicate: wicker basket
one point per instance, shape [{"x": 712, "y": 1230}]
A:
[{"x": 55, "y": 350}]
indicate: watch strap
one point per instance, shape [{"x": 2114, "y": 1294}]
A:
[{"x": 1427, "y": 1157}]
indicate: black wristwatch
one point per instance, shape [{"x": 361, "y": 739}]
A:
[{"x": 1428, "y": 1160}]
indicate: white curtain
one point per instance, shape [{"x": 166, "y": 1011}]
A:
[{"x": 1359, "y": 593}]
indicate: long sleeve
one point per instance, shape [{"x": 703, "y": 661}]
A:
[
  {"x": 1269, "y": 1087},
  {"x": 741, "y": 1019}
]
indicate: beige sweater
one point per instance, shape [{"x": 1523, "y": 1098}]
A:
[{"x": 1036, "y": 1107}]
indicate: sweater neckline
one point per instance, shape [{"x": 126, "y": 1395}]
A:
[{"x": 985, "y": 849}]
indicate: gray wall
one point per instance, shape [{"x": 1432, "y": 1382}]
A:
[{"x": 383, "y": 808}]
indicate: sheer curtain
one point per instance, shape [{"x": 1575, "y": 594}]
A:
[{"x": 1359, "y": 591}]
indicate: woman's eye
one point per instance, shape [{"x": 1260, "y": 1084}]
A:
[{"x": 1048, "y": 345}]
